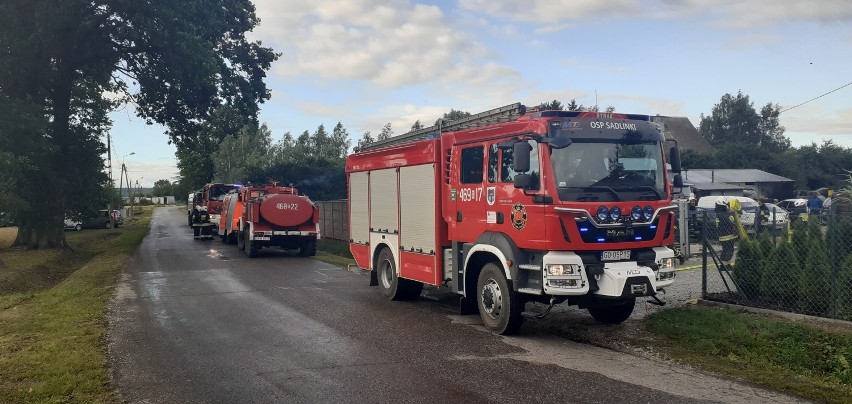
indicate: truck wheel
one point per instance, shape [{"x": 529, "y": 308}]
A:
[
  {"x": 613, "y": 314},
  {"x": 232, "y": 238},
  {"x": 308, "y": 248},
  {"x": 390, "y": 285},
  {"x": 78, "y": 227},
  {"x": 241, "y": 241},
  {"x": 499, "y": 306},
  {"x": 251, "y": 247},
  {"x": 108, "y": 225}
]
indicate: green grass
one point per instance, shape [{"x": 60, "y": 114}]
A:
[
  {"x": 52, "y": 328},
  {"x": 794, "y": 358},
  {"x": 334, "y": 252}
]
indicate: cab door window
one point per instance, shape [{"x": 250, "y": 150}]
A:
[
  {"x": 472, "y": 164},
  {"x": 493, "y": 160},
  {"x": 507, "y": 174}
]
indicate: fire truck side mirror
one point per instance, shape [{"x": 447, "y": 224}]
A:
[
  {"x": 677, "y": 184},
  {"x": 674, "y": 159},
  {"x": 521, "y": 157},
  {"x": 523, "y": 181}
]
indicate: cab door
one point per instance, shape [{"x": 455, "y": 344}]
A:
[
  {"x": 513, "y": 211},
  {"x": 468, "y": 191}
]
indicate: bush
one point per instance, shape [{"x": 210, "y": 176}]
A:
[
  {"x": 747, "y": 274},
  {"x": 843, "y": 291},
  {"x": 815, "y": 288},
  {"x": 780, "y": 280}
]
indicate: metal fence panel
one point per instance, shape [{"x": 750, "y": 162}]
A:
[
  {"x": 334, "y": 219},
  {"x": 799, "y": 264}
]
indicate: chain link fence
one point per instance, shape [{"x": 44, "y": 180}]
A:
[{"x": 793, "y": 262}]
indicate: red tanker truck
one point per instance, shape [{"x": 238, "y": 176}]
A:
[{"x": 274, "y": 215}]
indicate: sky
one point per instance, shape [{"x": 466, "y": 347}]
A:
[{"x": 365, "y": 63}]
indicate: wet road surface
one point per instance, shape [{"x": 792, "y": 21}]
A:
[{"x": 196, "y": 321}]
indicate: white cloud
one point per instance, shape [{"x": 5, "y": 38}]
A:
[
  {"x": 391, "y": 44},
  {"x": 728, "y": 13},
  {"x": 819, "y": 121}
]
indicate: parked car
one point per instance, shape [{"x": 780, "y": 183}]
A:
[
  {"x": 777, "y": 215},
  {"x": 102, "y": 220},
  {"x": 795, "y": 206},
  {"x": 73, "y": 224},
  {"x": 706, "y": 206}
]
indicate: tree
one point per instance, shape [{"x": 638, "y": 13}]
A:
[
  {"x": 453, "y": 115},
  {"x": 386, "y": 132},
  {"x": 417, "y": 126},
  {"x": 770, "y": 130},
  {"x": 321, "y": 144},
  {"x": 573, "y": 106},
  {"x": 243, "y": 156},
  {"x": 554, "y": 105},
  {"x": 177, "y": 60},
  {"x": 734, "y": 120},
  {"x": 340, "y": 142},
  {"x": 366, "y": 140},
  {"x": 162, "y": 188}
]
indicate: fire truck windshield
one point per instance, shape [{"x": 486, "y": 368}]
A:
[
  {"x": 609, "y": 170},
  {"x": 217, "y": 193}
]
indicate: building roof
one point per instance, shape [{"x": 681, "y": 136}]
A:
[
  {"x": 717, "y": 186},
  {"x": 681, "y": 129},
  {"x": 732, "y": 176}
]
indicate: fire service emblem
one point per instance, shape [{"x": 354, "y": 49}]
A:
[
  {"x": 491, "y": 195},
  {"x": 519, "y": 216}
]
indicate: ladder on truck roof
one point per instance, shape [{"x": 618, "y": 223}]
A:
[{"x": 508, "y": 113}]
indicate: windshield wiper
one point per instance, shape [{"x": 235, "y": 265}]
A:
[
  {"x": 603, "y": 188},
  {"x": 645, "y": 187}
]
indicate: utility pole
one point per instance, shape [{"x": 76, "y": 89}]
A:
[{"x": 111, "y": 182}]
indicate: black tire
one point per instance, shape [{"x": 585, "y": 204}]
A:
[
  {"x": 615, "y": 314},
  {"x": 499, "y": 306},
  {"x": 108, "y": 225},
  {"x": 251, "y": 246},
  {"x": 78, "y": 227},
  {"x": 241, "y": 241},
  {"x": 308, "y": 248},
  {"x": 390, "y": 285},
  {"x": 232, "y": 238}
]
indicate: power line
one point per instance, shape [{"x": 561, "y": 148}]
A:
[{"x": 817, "y": 97}]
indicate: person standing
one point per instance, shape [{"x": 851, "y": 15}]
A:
[{"x": 726, "y": 227}]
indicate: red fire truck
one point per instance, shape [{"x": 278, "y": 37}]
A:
[
  {"x": 275, "y": 215},
  {"x": 211, "y": 196},
  {"x": 506, "y": 207}
]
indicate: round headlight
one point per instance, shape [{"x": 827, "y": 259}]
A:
[
  {"x": 615, "y": 213},
  {"x": 602, "y": 214},
  {"x": 648, "y": 213},
  {"x": 636, "y": 213}
]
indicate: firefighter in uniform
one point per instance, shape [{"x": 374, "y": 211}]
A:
[
  {"x": 201, "y": 226},
  {"x": 726, "y": 226}
]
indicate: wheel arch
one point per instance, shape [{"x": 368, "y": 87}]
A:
[{"x": 491, "y": 247}]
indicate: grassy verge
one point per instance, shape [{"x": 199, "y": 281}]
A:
[
  {"x": 334, "y": 252},
  {"x": 797, "y": 359},
  {"x": 52, "y": 311}
]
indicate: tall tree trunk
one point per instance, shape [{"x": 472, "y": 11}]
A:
[{"x": 45, "y": 229}]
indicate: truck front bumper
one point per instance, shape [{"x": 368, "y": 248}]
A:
[{"x": 616, "y": 280}]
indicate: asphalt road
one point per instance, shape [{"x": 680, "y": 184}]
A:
[{"x": 195, "y": 321}]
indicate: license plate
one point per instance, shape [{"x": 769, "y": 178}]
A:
[
  {"x": 615, "y": 255},
  {"x": 639, "y": 289},
  {"x": 261, "y": 238}
]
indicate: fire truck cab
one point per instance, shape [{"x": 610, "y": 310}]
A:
[{"x": 507, "y": 207}]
